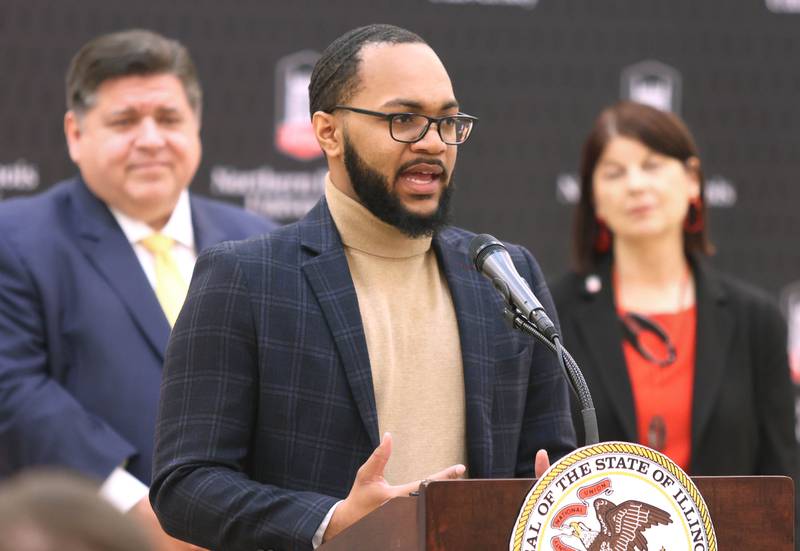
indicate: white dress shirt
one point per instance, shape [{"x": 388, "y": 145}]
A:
[{"x": 178, "y": 228}]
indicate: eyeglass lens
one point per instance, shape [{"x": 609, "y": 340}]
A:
[{"x": 410, "y": 128}]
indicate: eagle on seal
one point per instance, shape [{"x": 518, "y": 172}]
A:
[{"x": 621, "y": 526}]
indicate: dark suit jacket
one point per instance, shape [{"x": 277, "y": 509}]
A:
[
  {"x": 743, "y": 410},
  {"x": 82, "y": 335},
  {"x": 267, "y": 406}
]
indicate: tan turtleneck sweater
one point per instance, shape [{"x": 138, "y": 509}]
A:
[{"x": 412, "y": 339}]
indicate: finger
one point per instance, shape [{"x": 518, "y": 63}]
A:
[
  {"x": 374, "y": 466},
  {"x": 450, "y": 473},
  {"x": 541, "y": 463}
]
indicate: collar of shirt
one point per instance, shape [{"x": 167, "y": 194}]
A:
[
  {"x": 363, "y": 231},
  {"x": 178, "y": 227}
]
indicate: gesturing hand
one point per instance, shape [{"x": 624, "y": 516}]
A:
[{"x": 370, "y": 490}]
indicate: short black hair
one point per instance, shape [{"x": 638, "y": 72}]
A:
[
  {"x": 333, "y": 80},
  {"x": 125, "y": 53}
]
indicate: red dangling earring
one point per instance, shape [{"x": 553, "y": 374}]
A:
[
  {"x": 694, "y": 222},
  {"x": 602, "y": 240}
]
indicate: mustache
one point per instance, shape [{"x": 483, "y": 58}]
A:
[{"x": 423, "y": 160}]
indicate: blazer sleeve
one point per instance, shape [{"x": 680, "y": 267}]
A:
[
  {"x": 41, "y": 423},
  {"x": 547, "y": 422},
  {"x": 774, "y": 394},
  {"x": 201, "y": 489}
]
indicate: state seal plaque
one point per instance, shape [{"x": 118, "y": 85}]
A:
[{"x": 614, "y": 496}]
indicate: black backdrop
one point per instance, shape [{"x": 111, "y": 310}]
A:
[{"x": 535, "y": 71}]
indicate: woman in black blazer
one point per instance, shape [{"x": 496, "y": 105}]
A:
[{"x": 677, "y": 356}]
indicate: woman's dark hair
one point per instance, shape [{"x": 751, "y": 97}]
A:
[{"x": 660, "y": 131}]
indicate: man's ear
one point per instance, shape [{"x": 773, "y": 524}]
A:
[
  {"x": 328, "y": 133},
  {"x": 72, "y": 131}
]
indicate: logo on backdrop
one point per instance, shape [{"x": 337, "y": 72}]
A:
[
  {"x": 783, "y": 6},
  {"x": 658, "y": 85},
  {"x": 613, "y": 495},
  {"x": 719, "y": 192},
  {"x": 653, "y": 83},
  {"x": 19, "y": 176},
  {"x": 294, "y": 135},
  {"x": 284, "y": 196}
]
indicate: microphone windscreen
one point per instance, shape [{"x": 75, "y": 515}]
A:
[{"x": 480, "y": 246}]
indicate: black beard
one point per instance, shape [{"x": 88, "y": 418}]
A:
[{"x": 375, "y": 194}]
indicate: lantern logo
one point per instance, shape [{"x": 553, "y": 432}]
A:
[
  {"x": 653, "y": 83},
  {"x": 294, "y": 135}
]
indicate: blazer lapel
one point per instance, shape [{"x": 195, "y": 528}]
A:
[
  {"x": 598, "y": 326},
  {"x": 328, "y": 274},
  {"x": 207, "y": 231},
  {"x": 715, "y": 329},
  {"x": 472, "y": 299},
  {"x": 109, "y": 252}
]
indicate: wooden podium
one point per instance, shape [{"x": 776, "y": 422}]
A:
[{"x": 749, "y": 513}]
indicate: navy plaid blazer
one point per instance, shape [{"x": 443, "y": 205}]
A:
[{"x": 267, "y": 406}]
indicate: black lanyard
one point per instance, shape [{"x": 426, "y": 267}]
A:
[{"x": 633, "y": 324}]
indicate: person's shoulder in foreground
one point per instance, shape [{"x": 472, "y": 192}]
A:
[{"x": 47, "y": 510}]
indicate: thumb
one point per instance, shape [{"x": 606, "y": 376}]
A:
[
  {"x": 450, "y": 473},
  {"x": 376, "y": 463},
  {"x": 541, "y": 463}
]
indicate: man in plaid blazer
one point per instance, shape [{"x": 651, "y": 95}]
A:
[{"x": 275, "y": 387}]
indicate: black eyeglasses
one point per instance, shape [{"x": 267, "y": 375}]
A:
[{"x": 412, "y": 127}]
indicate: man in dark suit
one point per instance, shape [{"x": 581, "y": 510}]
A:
[
  {"x": 85, "y": 305},
  {"x": 296, "y": 351}
]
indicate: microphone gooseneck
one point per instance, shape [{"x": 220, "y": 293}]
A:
[{"x": 525, "y": 313}]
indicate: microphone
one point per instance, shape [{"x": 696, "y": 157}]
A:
[{"x": 491, "y": 258}]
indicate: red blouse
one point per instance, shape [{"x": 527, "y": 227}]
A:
[{"x": 662, "y": 396}]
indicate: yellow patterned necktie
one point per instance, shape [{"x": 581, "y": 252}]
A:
[{"x": 171, "y": 287}]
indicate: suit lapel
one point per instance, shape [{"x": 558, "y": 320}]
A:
[
  {"x": 207, "y": 231},
  {"x": 109, "y": 252},
  {"x": 715, "y": 329},
  {"x": 598, "y": 327},
  {"x": 475, "y": 310},
  {"x": 328, "y": 274}
]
